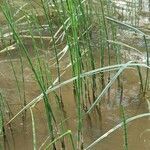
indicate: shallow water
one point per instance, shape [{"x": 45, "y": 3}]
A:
[
  {"x": 19, "y": 135},
  {"x": 138, "y": 131}
]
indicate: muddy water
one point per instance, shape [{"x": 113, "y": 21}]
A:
[
  {"x": 138, "y": 131},
  {"x": 19, "y": 135},
  {"x": 20, "y": 138}
]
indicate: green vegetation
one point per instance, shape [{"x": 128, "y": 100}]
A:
[{"x": 67, "y": 61}]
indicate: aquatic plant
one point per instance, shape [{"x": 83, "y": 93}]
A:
[{"x": 75, "y": 45}]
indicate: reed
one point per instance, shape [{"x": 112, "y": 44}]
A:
[{"x": 71, "y": 44}]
